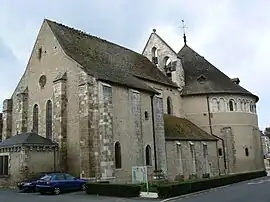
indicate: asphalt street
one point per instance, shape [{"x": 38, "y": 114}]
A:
[
  {"x": 257, "y": 190},
  {"x": 248, "y": 191},
  {"x": 13, "y": 196}
]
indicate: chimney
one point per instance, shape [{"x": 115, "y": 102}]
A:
[{"x": 236, "y": 80}]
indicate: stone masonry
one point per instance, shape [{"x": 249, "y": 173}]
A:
[
  {"x": 137, "y": 128},
  {"x": 1, "y": 126},
  {"x": 88, "y": 130},
  {"x": 22, "y": 110},
  {"x": 60, "y": 118},
  {"x": 106, "y": 132},
  {"x": 7, "y": 119},
  {"x": 159, "y": 134},
  {"x": 230, "y": 151}
]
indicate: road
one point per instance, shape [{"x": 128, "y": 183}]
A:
[
  {"x": 250, "y": 191},
  {"x": 13, "y": 196}
]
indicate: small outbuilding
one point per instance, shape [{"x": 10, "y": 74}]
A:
[{"x": 25, "y": 154}]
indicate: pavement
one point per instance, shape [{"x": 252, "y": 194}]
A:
[{"x": 248, "y": 191}]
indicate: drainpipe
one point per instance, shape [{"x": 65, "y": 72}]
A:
[
  {"x": 154, "y": 132},
  {"x": 211, "y": 131}
]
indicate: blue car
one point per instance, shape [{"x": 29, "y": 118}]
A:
[
  {"x": 29, "y": 184},
  {"x": 57, "y": 183}
]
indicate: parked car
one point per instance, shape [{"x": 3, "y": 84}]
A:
[
  {"x": 59, "y": 182},
  {"x": 29, "y": 184}
]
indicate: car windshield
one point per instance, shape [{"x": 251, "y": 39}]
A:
[{"x": 46, "y": 178}]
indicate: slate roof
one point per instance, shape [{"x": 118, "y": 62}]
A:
[
  {"x": 108, "y": 61},
  {"x": 177, "y": 128},
  {"x": 26, "y": 139},
  {"x": 201, "y": 77}
]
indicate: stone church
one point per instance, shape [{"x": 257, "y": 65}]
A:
[{"x": 95, "y": 109}]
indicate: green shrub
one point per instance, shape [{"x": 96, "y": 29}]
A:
[
  {"x": 172, "y": 190},
  {"x": 119, "y": 190}
]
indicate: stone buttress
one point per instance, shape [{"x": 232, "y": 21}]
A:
[
  {"x": 7, "y": 119},
  {"x": 106, "y": 152},
  {"x": 22, "y": 110},
  {"x": 88, "y": 127},
  {"x": 60, "y": 118}
]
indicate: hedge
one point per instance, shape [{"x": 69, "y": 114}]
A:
[
  {"x": 172, "y": 190},
  {"x": 119, "y": 190}
]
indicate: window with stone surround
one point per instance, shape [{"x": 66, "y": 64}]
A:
[
  {"x": 35, "y": 119},
  {"x": 4, "y": 165},
  {"x": 231, "y": 105},
  {"x": 169, "y": 105},
  {"x": 179, "y": 157},
  {"x": 154, "y": 55},
  {"x": 193, "y": 157},
  {"x": 167, "y": 66},
  {"x": 118, "y": 155},
  {"x": 148, "y": 159},
  {"x": 214, "y": 104},
  {"x": 49, "y": 119},
  {"x": 222, "y": 105}
]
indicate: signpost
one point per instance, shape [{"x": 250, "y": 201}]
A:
[{"x": 139, "y": 175}]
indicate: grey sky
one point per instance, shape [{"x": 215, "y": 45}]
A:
[{"x": 232, "y": 35}]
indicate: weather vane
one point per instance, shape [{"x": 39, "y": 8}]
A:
[{"x": 183, "y": 29}]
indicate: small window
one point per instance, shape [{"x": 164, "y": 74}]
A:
[
  {"x": 220, "y": 152},
  {"x": 35, "y": 119},
  {"x": 169, "y": 105},
  {"x": 246, "y": 151},
  {"x": 146, "y": 116},
  {"x": 148, "y": 158},
  {"x": 231, "y": 105},
  {"x": 4, "y": 165},
  {"x": 118, "y": 157},
  {"x": 39, "y": 53}
]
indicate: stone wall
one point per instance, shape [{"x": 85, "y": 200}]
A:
[
  {"x": 163, "y": 51},
  {"x": 105, "y": 127},
  {"x": 22, "y": 111},
  {"x": 60, "y": 118},
  {"x": 88, "y": 130},
  {"x": 7, "y": 119},
  {"x": 180, "y": 162},
  {"x": 1, "y": 126},
  {"x": 160, "y": 134}
]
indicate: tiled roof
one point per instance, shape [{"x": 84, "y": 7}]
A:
[
  {"x": 182, "y": 129},
  {"x": 108, "y": 61},
  {"x": 26, "y": 139},
  {"x": 201, "y": 77}
]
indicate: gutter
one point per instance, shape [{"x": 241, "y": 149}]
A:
[
  {"x": 154, "y": 132},
  {"x": 211, "y": 131}
]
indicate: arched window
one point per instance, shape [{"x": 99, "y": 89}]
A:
[
  {"x": 49, "y": 119},
  {"x": 154, "y": 55},
  {"x": 222, "y": 105},
  {"x": 169, "y": 105},
  {"x": 35, "y": 119},
  {"x": 148, "y": 159},
  {"x": 167, "y": 66},
  {"x": 231, "y": 105},
  {"x": 214, "y": 105},
  {"x": 118, "y": 157},
  {"x": 246, "y": 151},
  {"x": 244, "y": 106},
  {"x": 251, "y": 107}
]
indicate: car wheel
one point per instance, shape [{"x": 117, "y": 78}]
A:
[
  {"x": 56, "y": 191},
  {"x": 83, "y": 188}
]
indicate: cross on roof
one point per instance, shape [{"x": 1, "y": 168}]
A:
[{"x": 183, "y": 29}]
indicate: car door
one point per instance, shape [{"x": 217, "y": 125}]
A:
[
  {"x": 72, "y": 183},
  {"x": 61, "y": 181}
]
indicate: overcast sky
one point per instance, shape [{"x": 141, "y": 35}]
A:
[{"x": 232, "y": 35}]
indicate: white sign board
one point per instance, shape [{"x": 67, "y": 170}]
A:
[{"x": 139, "y": 174}]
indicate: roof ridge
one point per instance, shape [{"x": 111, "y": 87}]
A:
[{"x": 93, "y": 36}]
